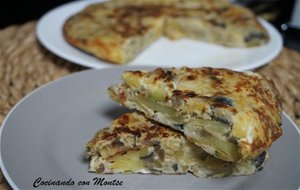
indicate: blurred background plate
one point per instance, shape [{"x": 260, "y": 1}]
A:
[
  {"x": 162, "y": 52},
  {"x": 45, "y": 135}
]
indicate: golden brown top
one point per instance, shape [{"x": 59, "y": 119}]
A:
[
  {"x": 130, "y": 131},
  {"x": 246, "y": 101},
  {"x": 126, "y": 18},
  {"x": 118, "y": 30}
]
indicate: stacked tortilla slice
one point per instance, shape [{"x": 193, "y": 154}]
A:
[{"x": 209, "y": 122}]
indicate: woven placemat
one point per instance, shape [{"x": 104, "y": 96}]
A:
[{"x": 26, "y": 65}]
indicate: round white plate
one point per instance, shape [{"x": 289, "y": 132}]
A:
[
  {"x": 45, "y": 135},
  {"x": 163, "y": 52}
]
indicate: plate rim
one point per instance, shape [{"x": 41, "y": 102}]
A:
[
  {"x": 3, "y": 167},
  {"x": 104, "y": 64}
]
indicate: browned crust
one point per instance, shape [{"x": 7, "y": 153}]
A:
[
  {"x": 138, "y": 127},
  {"x": 252, "y": 96},
  {"x": 129, "y": 20}
]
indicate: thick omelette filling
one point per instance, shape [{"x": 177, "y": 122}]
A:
[
  {"x": 231, "y": 115},
  {"x": 211, "y": 135},
  {"x": 156, "y": 149}
]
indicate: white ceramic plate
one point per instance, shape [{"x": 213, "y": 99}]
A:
[
  {"x": 162, "y": 52},
  {"x": 45, "y": 134}
]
